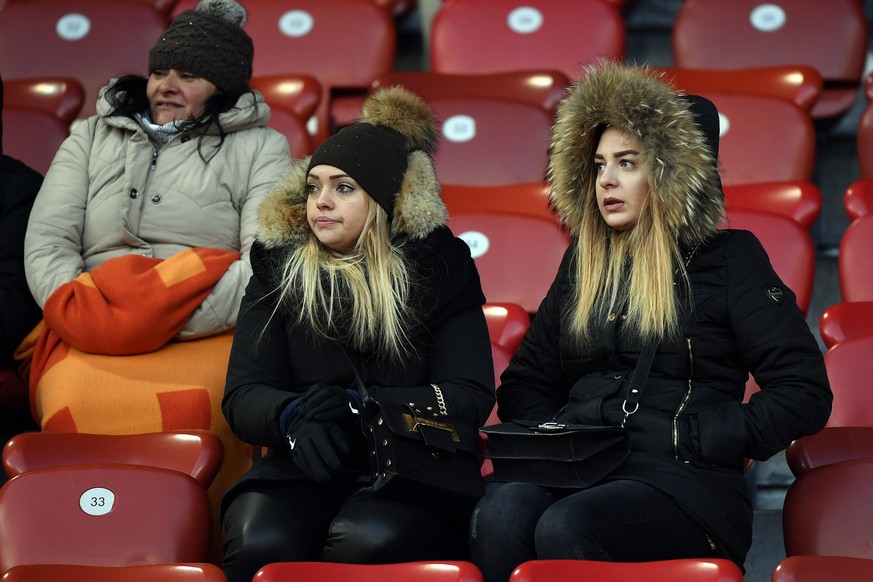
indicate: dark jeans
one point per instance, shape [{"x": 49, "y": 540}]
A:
[
  {"x": 618, "y": 521},
  {"x": 338, "y": 522}
]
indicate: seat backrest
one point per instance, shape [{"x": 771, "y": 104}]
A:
[
  {"x": 148, "y": 573},
  {"x": 829, "y": 36},
  {"x": 483, "y": 36},
  {"x": 832, "y": 444},
  {"x": 507, "y": 141},
  {"x": 103, "y": 515},
  {"x": 798, "y": 83},
  {"x": 848, "y": 363},
  {"x": 827, "y": 511},
  {"x": 823, "y": 569},
  {"x": 690, "y": 570},
  {"x": 864, "y": 132},
  {"x": 801, "y": 201},
  {"x": 74, "y": 40},
  {"x": 858, "y": 197},
  {"x": 62, "y": 97},
  {"x": 198, "y": 454},
  {"x": 789, "y": 246},
  {"x": 853, "y": 262},
  {"x": 448, "y": 571},
  {"x": 517, "y": 255},
  {"x": 786, "y": 152},
  {"x": 301, "y": 38},
  {"x": 527, "y": 199},
  {"x": 507, "y": 324},
  {"x": 293, "y": 101},
  {"x": 845, "y": 320},
  {"x": 541, "y": 87}
]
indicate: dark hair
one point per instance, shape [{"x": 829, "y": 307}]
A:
[{"x": 127, "y": 97}]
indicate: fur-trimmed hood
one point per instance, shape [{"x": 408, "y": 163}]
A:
[
  {"x": 675, "y": 149},
  {"x": 418, "y": 209}
]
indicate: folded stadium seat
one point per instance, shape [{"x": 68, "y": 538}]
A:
[
  {"x": 845, "y": 320},
  {"x": 799, "y": 83},
  {"x": 829, "y": 36},
  {"x": 801, "y": 201},
  {"x": 37, "y": 113},
  {"x": 827, "y": 511},
  {"x": 103, "y": 515},
  {"x": 528, "y": 199},
  {"x": 823, "y": 569},
  {"x": 198, "y": 454},
  {"x": 345, "y": 44},
  {"x": 848, "y": 363},
  {"x": 147, "y": 573},
  {"x": 789, "y": 246},
  {"x": 293, "y": 101},
  {"x": 72, "y": 40},
  {"x": 858, "y": 198},
  {"x": 853, "y": 262},
  {"x": 441, "y": 571},
  {"x": 507, "y": 324},
  {"x": 690, "y": 570},
  {"x": 485, "y": 36},
  {"x": 786, "y": 152}
]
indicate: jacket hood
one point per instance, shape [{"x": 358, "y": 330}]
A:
[
  {"x": 418, "y": 209},
  {"x": 682, "y": 166}
]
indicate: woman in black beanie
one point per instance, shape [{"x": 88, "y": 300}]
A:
[
  {"x": 353, "y": 263},
  {"x": 634, "y": 176}
]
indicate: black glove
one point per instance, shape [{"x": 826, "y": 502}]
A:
[
  {"x": 328, "y": 402},
  {"x": 317, "y": 448}
]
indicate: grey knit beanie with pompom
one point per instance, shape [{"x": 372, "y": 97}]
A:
[{"x": 209, "y": 42}]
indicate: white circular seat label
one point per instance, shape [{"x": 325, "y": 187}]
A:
[
  {"x": 767, "y": 17},
  {"x": 724, "y": 124},
  {"x": 459, "y": 128},
  {"x": 295, "y": 23},
  {"x": 477, "y": 242},
  {"x": 73, "y": 26},
  {"x": 525, "y": 20},
  {"x": 97, "y": 501}
]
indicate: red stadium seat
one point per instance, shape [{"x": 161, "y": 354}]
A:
[
  {"x": 690, "y": 570},
  {"x": 345, "y": 44},
  {"x": 845, "y": 320},
  {"x": 293, "y": 101},
  {"x": 789, "y": 246},
  {"x": 830, "y": 445},
  {"x": 800, "y": 84},
  {"x": 748, "y": 155},
  {"x": 90, "y": 41},
  {"x": 448, "y": 571},
  {"x": 197, "y": 454},
  {"x": 858, "y": 198},
  {"x": 148, "y": 573},
  {"x": 829, "y": 36},
  {"x": 823, "y": 569},
  {"x": 103, "y": 515},
  {"x": 530, "y": 199},
  {"x": 485, "y": 36},
  {"x": 507, "y": 324},
  {"x": 848, "y": 364},
  {"x": 827, "y": 511},
  {"x": 37, "y": 114},
  {"x": 865, "y": 131},
  {"x": 801, "y": 201},
  {"x": 853, "y": 262}
]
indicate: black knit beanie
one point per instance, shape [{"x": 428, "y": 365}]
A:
[
  {"x": 706, "y": 117},
  {"x": 209, "y": 42},
  {"x": 374, "y": 156}
]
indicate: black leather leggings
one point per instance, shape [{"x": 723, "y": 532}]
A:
[{"x": 337, "y": 522}]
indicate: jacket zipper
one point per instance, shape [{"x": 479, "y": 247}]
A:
[{"x": 684, "y": 402}]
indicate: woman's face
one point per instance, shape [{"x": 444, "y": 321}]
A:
[
  {"x": 337, "y": 207},
  {"x": 622, "y": 185},
  {"x": 175, "y": 95}
]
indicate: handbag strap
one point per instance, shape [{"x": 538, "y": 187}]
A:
[
  {"x": 638, "y": 380},
  {"x": 362, "y": 388}
]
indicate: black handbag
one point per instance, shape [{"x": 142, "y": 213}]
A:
[
  {"x": 555, "y": 454},
  {"x": 415, "y": 450}
]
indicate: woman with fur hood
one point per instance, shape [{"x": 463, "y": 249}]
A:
[
  {"x": 352, "y": 263},
  {"x": 634, "y": 176}
]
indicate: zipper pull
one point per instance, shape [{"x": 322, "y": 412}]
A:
[{"x": 154, "y": 161}]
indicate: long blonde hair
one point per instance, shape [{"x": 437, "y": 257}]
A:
[
  {"x": 360, "y": 297},
  {"x": 633, "y": 270}
]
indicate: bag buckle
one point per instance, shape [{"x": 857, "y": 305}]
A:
[
  {"x": 413, "y": 422},
  {"x": 551, "y": 425}
]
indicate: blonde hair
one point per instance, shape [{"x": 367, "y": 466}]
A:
[
  {"x": 360, "y": 297},
  {"x": 634, "y": 269}
]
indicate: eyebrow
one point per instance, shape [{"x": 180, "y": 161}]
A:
[
  {"x": 314, "y": 176},
  {"x": 620, "y": 154}
]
